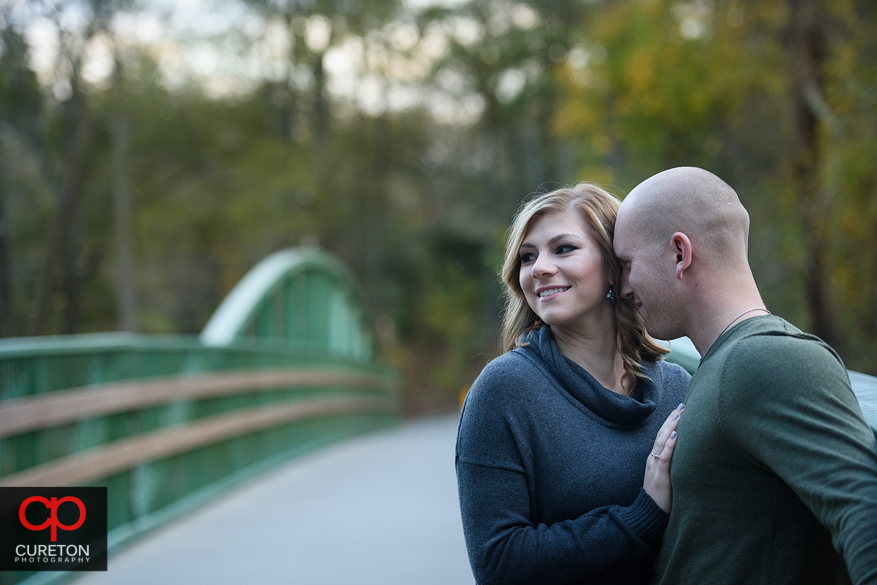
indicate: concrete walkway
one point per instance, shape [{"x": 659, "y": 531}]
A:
[{"x": 380, "y": 509}]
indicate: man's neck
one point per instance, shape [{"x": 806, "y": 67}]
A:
[{"x": 721, "y": 313}]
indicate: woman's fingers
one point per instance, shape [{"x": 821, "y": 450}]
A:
[
  {"x": 669, "y": 445},
  {"x": 657, "y": 477},
  {"x": 667, "y": 428}
]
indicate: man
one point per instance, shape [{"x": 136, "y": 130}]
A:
[{"x": 775, "y": 473}]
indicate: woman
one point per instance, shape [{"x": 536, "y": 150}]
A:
[{"x": 564, "y": 445}]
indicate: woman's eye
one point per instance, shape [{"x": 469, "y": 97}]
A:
[
  {"x": 527, "y": 258},
  {"x": 565, "y": 249}
]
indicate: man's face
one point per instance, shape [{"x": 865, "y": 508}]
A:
[{"x": 647, "y": 271}]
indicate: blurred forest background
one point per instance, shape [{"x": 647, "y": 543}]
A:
[{"x": 151, "y": 152}]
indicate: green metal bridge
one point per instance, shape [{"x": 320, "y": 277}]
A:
[{"x": 286, "y": 364}]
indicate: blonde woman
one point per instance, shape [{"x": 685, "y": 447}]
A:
[{"x": 565, "y": 440}]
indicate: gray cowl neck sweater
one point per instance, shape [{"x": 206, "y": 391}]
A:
[
  {"x": 550, "y": 468},
  {"x": 613, "y": 408}
]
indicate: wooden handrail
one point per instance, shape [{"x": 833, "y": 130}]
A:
[
  {"x": 66, "y": 406},
  {"x": 105, "y": 460}
]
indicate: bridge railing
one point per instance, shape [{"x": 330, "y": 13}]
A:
[{"x": 166, "y": 423}]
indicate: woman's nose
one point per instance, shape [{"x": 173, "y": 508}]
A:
[{"x": 543, "y": 267}]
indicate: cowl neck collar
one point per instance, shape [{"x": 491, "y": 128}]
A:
[{"x": 627, "y": 411}]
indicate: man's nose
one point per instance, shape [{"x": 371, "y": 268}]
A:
[{"x": 625, "y": 290}]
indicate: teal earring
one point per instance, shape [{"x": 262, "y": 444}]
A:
[{"x": 613, "y": 300}]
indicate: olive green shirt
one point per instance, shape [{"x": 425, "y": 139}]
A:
[{"x": 775, "y": 472}]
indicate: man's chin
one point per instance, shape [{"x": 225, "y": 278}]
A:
[{"x": 658, "y": 330}]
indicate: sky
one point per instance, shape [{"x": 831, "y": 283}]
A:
[{"x": 228, "y": 50}]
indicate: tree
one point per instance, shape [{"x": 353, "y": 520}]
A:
[
  {"x": 20, "y": 117},
  {"x": 764, "y": 94},
  {"x": 77, "y": 127}
]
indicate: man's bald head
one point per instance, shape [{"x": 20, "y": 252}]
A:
[{"x": 692, "y": 201}]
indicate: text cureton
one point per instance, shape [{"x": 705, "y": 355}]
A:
[{"x": 51, "y": 550}]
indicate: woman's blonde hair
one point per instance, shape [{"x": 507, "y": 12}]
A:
[{"x": 597, "y": 209}]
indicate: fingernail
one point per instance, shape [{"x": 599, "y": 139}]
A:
[
  {"x": 675, "y": 415},
  {"x": 673, "y": 435},
  {"x": 681, "y": 406}
]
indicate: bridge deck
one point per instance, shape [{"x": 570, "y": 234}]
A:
[{"x": 381, "y": 509}]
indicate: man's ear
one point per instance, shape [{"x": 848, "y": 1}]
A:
[{"x": 683, "y": 251}]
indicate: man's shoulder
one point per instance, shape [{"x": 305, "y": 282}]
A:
[
  {"x": 781, "y": 346},
  {"x": 780, "y": 363}
]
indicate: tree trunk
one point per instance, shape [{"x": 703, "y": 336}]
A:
[
  {"x": 71, "y": 277},
  {"x": 807, "y": 48},
  {"x": 5, "y": 266},
  {"x": 122, "y": 215},
  {"x": 322, "y": 126},
  {"x": 59, "y": 231}
]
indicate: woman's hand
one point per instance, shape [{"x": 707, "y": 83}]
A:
[{"x": 657, "y": 479}]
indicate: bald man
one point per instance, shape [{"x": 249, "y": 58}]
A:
[{"x": 775, "y": 472}]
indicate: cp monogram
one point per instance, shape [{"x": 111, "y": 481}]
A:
[{"x": 53, "y": 521}]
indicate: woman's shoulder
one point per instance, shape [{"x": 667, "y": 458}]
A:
[
  {"x": 673, "y": 372},
  {"x": 673, "y": 380},
  {"x": 497, "y": 396},
  {"x": 510, "y": 366},
  {"x": 506, "y": 376},
  {"x": 668, "y": 379}
]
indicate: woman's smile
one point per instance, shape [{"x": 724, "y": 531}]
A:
[{"x": 550, "y": 292}]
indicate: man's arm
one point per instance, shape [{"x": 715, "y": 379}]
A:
[{"x": 794, "y": 411}]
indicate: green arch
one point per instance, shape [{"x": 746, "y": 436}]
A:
[{"x": 300, "y": 296}]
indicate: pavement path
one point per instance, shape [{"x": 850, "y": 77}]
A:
[{"x": 380, "y": 509}]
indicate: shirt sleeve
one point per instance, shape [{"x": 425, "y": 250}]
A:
[
  {"x": 505, "y": 547},
  {"x": 789, "y": 405}
]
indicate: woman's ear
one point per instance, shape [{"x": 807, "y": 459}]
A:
[
  {"x": 683, "y": 251},
  {"x": 610, "y": 264}
]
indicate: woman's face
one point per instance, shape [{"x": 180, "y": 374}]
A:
[{"x": 563, "y": 275}]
